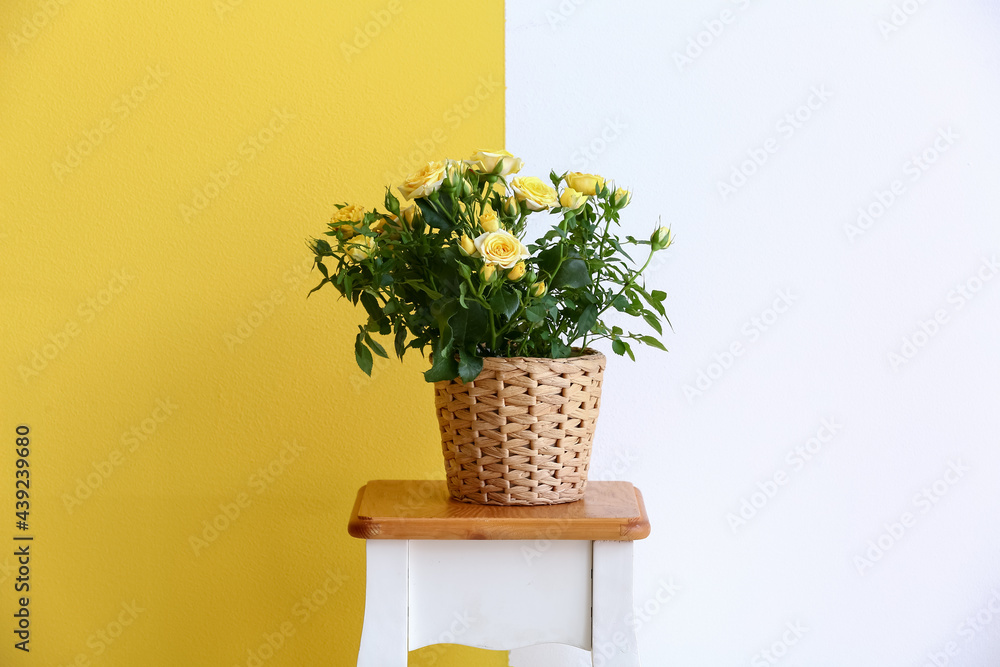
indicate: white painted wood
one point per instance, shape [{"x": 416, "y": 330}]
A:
[
  {"x": 549, "y": 655},
  {"x": 615, "y": 642},
  {"x": 500, "y": 594},
  {"x": 383, "y": 639}
]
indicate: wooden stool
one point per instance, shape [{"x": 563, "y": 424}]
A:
[{"x": 503, "y": 578}]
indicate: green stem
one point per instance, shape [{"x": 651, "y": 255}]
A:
[{"x": 628, "y": 283}]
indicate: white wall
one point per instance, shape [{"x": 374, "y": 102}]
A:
[{"x": 603, "y": 74}]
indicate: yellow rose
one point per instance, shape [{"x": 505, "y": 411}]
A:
[
  {"x": 467, "y": 246},
  {"x": 572, "y": 199},
  {"x": 588, "y": 184},
  {"x": 538, "y": 289},
  {"x": 534, "y": 192},
  {"x": 510, "y": 206},
  {"x": 661, "y": 238},
  {"x": 488, "y": 220},
  {"x": 410, "y": 212},
  {"x": 359, "y": 248},
  {"x": 488, "y": 273},
  {"x": 349, "y": 214},
  {"x": 516, "y": 273},
  {"x": 424, "y": 181},
  {"x": 501, "y": 248},
  {"x": 455, "y": 172},
  {"x": 622, "y": 197},
  {"x": 486, "y": 161}
]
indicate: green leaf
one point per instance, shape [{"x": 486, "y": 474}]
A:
[
  {"x": 548, "y": 259},
  {"x": 469, "y": 325},
  {"x": 425, "y": 289},
  {"x": 654, "y": 300},
  {"x": 371, "y": 306},
  {"x": 617, "y": 246},
  {"x": 652, "y": 321},
  {"x": 376, "y": 346},
  {"x": 442, "y": 310},
  {"x": 649, "y": 340},
  {"x": 505, "y": 302},
  {"x": 362, "y": 355},
  {"x": 322, "y": 247},
  {"x": 399, "y": 341},
  {"x": 621, "y": 347},
  {"x": 573, "y": 273},
  {"x": 535, "y": 313},
  {"x": 587, "y": 320},
  {"x": 560, "y": 350},
  {"x": 321, "y": 283},
  {"x": 444, "y": 367},
  {"x": 469, "y": 365},
  {"x": 432, "y": 216},
  {"x": 464, "y": 270}
]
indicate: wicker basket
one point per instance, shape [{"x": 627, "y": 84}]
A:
[{"x": 521, "y": 432}]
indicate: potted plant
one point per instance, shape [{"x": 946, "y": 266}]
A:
[{"x": 508, "y": 325}]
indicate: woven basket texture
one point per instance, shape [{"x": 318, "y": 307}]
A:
[{"x": 522, "y": 431}]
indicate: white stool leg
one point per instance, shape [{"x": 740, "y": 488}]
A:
[
  {"x": 384, "y": 637},
  {"x": 613, "y": 636}
]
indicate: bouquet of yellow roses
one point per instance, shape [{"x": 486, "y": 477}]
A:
[{"x": 447, "y": 267}]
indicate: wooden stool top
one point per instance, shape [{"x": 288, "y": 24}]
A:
[{"x": 423, "y": 510}]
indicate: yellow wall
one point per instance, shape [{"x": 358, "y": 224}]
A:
[{"x": 155, "y": 332}]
